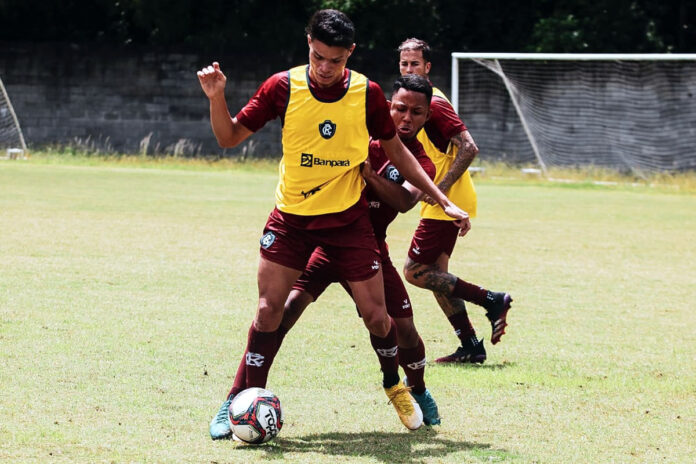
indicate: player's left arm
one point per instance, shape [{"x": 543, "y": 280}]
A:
[
  {"x": 466, "y": 152},
  {"x": 401, "y": 197}
]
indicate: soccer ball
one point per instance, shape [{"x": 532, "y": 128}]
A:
[{"x": 255, "y": 415}]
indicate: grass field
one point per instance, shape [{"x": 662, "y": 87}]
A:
[{"x": 126, "y": 292}]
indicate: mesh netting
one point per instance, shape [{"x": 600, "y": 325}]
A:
[{"x": 627, "y": 115}]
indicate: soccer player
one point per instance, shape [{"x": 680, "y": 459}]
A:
[
  {"x": 450, "y": 146},
  {"x": 328, "y": 114},
  {"x": 387, "y": 194}
]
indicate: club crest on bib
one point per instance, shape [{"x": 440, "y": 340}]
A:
[{"x": 327, "y": 129}]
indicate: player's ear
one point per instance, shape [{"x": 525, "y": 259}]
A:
[
  {"x": 427, "y": 67},
  {"x": 428, "y": 114},
  {"x": 350, "y": 50}
]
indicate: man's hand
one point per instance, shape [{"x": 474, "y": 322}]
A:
[
  {"x": 464, "y": 226},
  {"x": 367, "y": 171},
  {"x": 212, "y": 81},
  {"x": 461, "y": 216}
]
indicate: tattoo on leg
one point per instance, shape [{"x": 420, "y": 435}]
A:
[
  {"x": 431, "y": 277},
  {"x": 450, "y": 306},
  {"x": 440, "y": 282}
]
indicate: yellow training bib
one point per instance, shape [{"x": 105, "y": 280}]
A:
[
  {"x": 462, "y": 192},
  {"x": 323, "y": 146}
]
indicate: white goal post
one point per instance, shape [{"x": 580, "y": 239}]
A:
[
  {"x": 12, "y": 144},
  {"x": 631, "y": 112}
]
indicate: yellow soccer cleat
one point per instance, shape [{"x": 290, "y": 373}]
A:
[{"x": 406, "y": 407}]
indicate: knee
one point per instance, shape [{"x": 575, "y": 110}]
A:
[
  {"x": 377, "y": 324},
  {"x": 409, "y": 275},
  {"x": 407, "y": 333},
  {"x": 268, "y": 316},
  {"x": 294, "y": 307}
]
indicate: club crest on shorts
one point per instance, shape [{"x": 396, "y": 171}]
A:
[
  {"x": 267, "y": 240},
  {"x": 327, "y": 129}
]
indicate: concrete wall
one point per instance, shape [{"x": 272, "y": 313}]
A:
[
  {"x": 116, "y": 100},
  {"x": 136, "y": 100}
]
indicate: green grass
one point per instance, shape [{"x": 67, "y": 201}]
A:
[{"x": 127, "y": 287}]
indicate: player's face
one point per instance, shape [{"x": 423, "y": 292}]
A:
[
  {"x": 326, "y": 63},
  {"x": 412, "y": 62},
  {"x": 409, "y": 111}
]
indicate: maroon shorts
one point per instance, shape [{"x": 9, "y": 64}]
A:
[
  {"x": 321, "y": 272},
  {"x": 431, "y": 239},
  {"x": 352, "y": 247}
]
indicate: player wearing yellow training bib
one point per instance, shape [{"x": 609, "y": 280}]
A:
[
  {"x": 451, "y": 148},
  {"x": 328, "y": 114}
]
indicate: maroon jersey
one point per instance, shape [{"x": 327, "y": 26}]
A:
[
  {"x": 270, "y": 102},
  {"x": 444, "y": 123},
  {"x": 381, "y": 214}
]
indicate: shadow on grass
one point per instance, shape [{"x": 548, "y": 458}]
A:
[
  {"x": 464, "y": 366},
  {"x": 386, "y": 447}
]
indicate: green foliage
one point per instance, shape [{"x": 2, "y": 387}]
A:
[
  {"x": 606, "y": 26},
  {"x": 273, "y": 26}
]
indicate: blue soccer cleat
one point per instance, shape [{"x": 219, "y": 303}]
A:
[
  {"x": 431, "y": 415},
  {"x": 220, "y": 427}
]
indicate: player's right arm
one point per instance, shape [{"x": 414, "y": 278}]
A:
[{"x": 228, "y": 131}]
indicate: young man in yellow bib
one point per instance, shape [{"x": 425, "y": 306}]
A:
[
  {"x": 451, "y": 148},
  {"x": 328, "y": 113}
]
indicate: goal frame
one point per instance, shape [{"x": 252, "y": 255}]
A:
[
  {"x": 4, "y": 94},
  {"x": 456, "y": 56}
]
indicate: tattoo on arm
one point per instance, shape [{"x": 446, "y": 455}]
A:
[{"x": 466, "y": 152}]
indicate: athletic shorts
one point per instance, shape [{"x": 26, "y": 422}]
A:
[
  {"x": 431, "y": 239},
  {"x": 352, "y": 247},
  {"x": 321, "y": 272}
]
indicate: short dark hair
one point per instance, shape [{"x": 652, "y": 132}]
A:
[
  {"x": 415, "y": 83},
  {"x": 331, "y": 27},
  {"x": 416, "y": 44}
]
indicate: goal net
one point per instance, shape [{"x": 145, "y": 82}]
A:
[
  {"x": 628, "y": 112},
  {"x": 12, "y": 143}
]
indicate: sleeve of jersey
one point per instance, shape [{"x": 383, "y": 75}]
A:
[
  {"x": 378, "y": 159},
  {"x": 379, "y": 121},
  {"x": 268, "y": 102},
  {"x": 445, "y": 118},
  {"x": 425, "y": 161}
]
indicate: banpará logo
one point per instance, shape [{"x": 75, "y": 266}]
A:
[
  {"x": 327, "y": 129},
  {"x": 267, "y": 240},
  {"x": 308, "y": 160}
]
